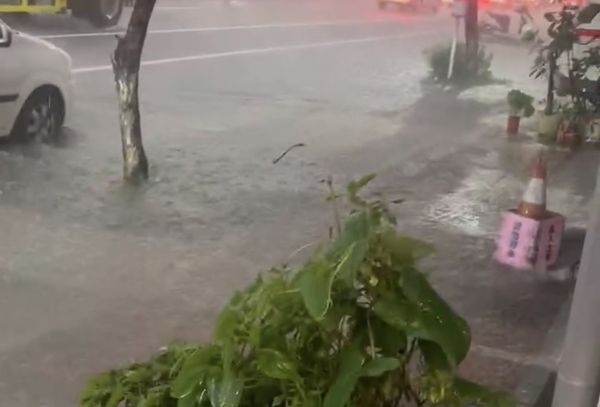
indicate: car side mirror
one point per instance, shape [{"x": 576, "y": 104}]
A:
[{"x": 5, "y": 36}]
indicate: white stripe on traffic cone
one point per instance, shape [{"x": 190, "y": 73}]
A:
[{"x": 533, "y": 204}]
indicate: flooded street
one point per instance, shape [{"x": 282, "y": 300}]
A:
[{"x": 94, "y": 273}]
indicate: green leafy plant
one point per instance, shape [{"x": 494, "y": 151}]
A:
[
  {"x": 357, "y": 325},
  {"x": 463, "y": 70},
  {"x": 562, "y": 38},
  {"x": 520, "y": 103}
]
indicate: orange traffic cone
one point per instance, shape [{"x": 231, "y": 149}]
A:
[{"x": 533, "y": 204}]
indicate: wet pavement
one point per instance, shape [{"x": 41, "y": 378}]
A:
[{"x": 94, "y": 274}]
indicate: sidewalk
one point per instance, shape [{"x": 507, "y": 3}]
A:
[
  {"x": 510, "y": 312},
  {"x": 517, "y": 318}
]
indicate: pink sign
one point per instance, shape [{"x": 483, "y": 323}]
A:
[{"x": 526, "y": 243}]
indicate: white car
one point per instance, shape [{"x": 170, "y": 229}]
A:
[{"x": 36, "y": 87}]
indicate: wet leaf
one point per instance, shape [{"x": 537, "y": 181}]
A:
[
  {"x": 152, "y": 401},
  {"x": 350, "y": 370},
  {"x": 442, "y": 324},
  {"x": 98, "y": 385},
  {"x": 191, "y": 399},
  {"x": 404, "y": 250},
  {"x": 116, "y": 396},
  {"x": 315, "y": 282},
  {"x": 226, "y": 392},
  {"x": 379, "y": 366},
  {"x": 193, "y": 371},
  {"x": 356, "y": 228},
  {"x": 352, "y": 260},
  {"x": 225, "y": 326},
  {"x": 424, "y": 315},
  {"x": 387, "y": 338},
  {"x": 276, "y": 365},
  {"x": 434, "y": 355}
]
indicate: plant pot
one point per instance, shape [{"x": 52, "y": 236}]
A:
[
  {"x": 592, "y": 132},
  {"x": 512, "y": 125},
  {"x": 548, "y": 125}
]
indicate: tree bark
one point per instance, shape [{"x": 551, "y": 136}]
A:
[
  {"x": 126, "y": 66},
  {"x": 549, "y": 109},
  {"x": 472, "y": 35}
]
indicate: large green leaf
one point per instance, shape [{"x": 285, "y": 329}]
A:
[
  {"x": 350, "y": 371},
  {"x": 434, "y": 355},
  {"x": 188, "y": 400},
  {"x": 356, "y": 228},
  {"x": 387, "y": 338},
  {"x": 276, "y": 365},
  {"x": 193, "y": 371},
  {"x": 192, "y": 399},
  {"x": 351, "y": 261},
  {"x": 225, "y": 325},
  {"x": 444, "y": 326},
  {"x": 116, "y": 397},
  {"x": 404, "y": 250},
  {"x": 225, "y": 392},
  {"x": 379, "y": 366},
  {"x": 315, "y": 282},
  {"x": 424, "y": 315}
]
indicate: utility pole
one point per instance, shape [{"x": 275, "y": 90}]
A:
[
  {"x": 472, "y": 34},
  {"x": 578, "y": 379}
]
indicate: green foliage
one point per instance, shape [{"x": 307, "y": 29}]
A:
[
  {"x": 561, "y": 32},
  {"x": 465, "y": 71},
  {"x": 520, "y": 103},
  {"x": 357, "y": 325}
]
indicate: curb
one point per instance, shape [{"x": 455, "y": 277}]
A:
[{"x": 537, "y": 386}]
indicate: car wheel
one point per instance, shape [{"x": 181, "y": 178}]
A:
[
  {"x": 105, "y": 13},
  {"x": 40, "y": 118}
]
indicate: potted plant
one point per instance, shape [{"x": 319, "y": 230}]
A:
[
  {"x": 572, "y": 126},
  {"x": 520, "y": 105}
]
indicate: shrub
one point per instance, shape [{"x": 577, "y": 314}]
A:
[
  {"x": 357, "y": 325},
  {"x": 464, "y": 72},
  {"x": 520, "y": 103}
]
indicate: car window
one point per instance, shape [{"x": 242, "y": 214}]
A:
[{"x": 588, "y": 13}]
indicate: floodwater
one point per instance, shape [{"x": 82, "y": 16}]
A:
[{"x": 94, "y": 273}]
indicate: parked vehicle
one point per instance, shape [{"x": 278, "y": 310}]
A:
[
  {"x": 36, "y": 87},
  {"x": 517, "y": 23},
  {"x": 101, "y": 13},
  {"x": 429, "y": 5}
]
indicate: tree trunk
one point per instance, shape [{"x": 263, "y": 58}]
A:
[
  {"x": 472, "y": 35},
  {"x": 126, "y": 67},
  {"x": 549, "y": 109}
]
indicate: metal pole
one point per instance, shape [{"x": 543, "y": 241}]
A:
[
  {"x": 453, "y": 49},
  {"x": 578, "y": 379}
]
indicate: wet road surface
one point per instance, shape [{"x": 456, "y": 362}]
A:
[{"x": 94, "y": 274}]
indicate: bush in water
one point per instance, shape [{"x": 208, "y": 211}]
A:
[
  {"x": 356, "y": 325},
  {"x": 464, "y": 72}
]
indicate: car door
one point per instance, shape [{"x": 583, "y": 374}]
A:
[{"x": 11, "y": 78}]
